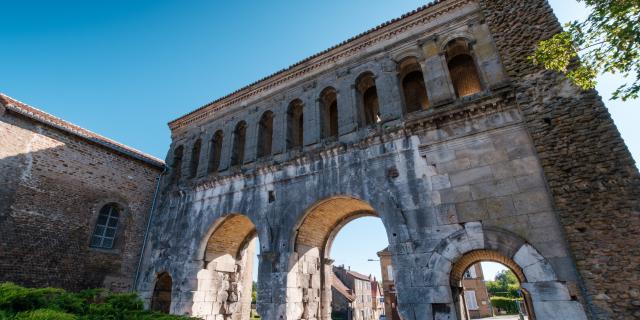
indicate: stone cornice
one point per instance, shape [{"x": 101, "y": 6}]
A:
[{"x": 343, "y": 50}]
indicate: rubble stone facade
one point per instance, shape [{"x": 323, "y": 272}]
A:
[
  {"x": 434, "y": 122},
  {"x": 55, "y": 180}
]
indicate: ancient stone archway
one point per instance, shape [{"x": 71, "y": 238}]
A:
[
  {"x": 224, "y": 283},
  {"x": 547, "y": 297},
  {"x": 161, "y": 299},
  {"x": 308, "y": 281}
]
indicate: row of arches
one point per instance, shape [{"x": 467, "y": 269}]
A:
[
  {"x": 222, "y": 285},
  {"x": 464, "y": 78}
]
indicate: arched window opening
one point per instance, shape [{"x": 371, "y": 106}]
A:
[
  {"x": 226, "y": 283},
  {"x": 329, "y": 113},
  {"x": 195, "y": 158},
  {"x": 215, "y": 151},
  {"x": 368, "y": 98},
  {"x": 265, "y": 134},
  {"x": 239, "y": 138},
  {"x": 486, "y": 283},
  {"x": 295, "y": 128},
  {"x": 329, "y": 248},
  {"x": 161, "y": 299},
  {"x": 177, "y": 163},
  {"x": 104, "y": 234},
  {"x": 462, "y": 68},
  {"x": 413, "y": 87}
]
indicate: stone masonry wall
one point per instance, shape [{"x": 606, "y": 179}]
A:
[
  {"x": 52, "y": 185},
  {"x": 591, "y": 174}
]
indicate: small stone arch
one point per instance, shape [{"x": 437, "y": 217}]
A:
[
  {"x": 239, "y": 140},
  {"x": 265, "y": 134},
  {"x": 195, "y": 158},
  {"x": 414, "y": 91},
  {"x": 162, "y": 290},
  {"x": 328, "y": 101},
  {"x": 548, "y": 298},
  {"x": 295, "y": 124},
  {"x": 367, "y": 98},
  {"x": 464, "y": 72},
  {"x": 224, "y": 283},
  {"x": 215, "y": 151},
  {"x": 176, "y": 163}
]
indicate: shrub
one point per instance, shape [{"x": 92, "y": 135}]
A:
[
  {"x": 45, "y": 314},
  {"x": 14, "y": 298},
  {"x": 508, "y": 305}
]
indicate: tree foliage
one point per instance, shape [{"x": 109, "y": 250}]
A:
[
  {"x": 505, "y": 285},
  {"x": 607, "y": 41}
]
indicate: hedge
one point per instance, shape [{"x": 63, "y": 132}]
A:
[
  {"x": 20, "y": 303},
  {"x": 509, "y": 305}
]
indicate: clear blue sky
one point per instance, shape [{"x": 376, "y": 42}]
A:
[{"x": 125, "y": 68}]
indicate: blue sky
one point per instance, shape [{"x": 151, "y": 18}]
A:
[{"x": 125, "y": 68}]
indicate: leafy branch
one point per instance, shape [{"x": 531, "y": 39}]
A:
[{"x": 607, "y": 41}]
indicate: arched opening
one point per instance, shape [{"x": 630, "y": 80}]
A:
[
  {"x": 215, "y": 151},
  {"x": 176, "y": 163},
  {"x": 478, "y": 296},
  {"x": 462, "y": 68},
  {"x": 413, "y": 87},
  {"x": 195, "y": 158},
  {"x": 265, "y": 134},
  {"x": 358, "y": 295},
  {"x": 239, "y": 138},
  {"x": 295, "y": 128},
  {"x": 329, "y": 113},
  {"x": 161, "y": 299},
  {"x": 225, "y": 283},
  {"x": 368, "y": 103}
]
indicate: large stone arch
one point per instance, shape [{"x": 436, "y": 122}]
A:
[
  {"x": 223, "y": 288},
  {"x": 547, "y": 297},
  {"x": 308, "y": 280}
]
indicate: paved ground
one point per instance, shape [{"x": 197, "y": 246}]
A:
[{"x": 509, "y": 317}]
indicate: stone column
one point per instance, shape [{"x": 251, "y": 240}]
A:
[
  {"x": 436, "y": 74},
  {"x": 311, "y": 114},
  {"x": 227, "y": 144},
  {"x": 389, "y": 93},
  {"x": 251, "y": 135},
  {"x": 486, "y": 56},
  {"x": 347, "y": 106}
]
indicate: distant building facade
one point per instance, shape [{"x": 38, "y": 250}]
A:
[
  {"x": 476, "y": 296},
  {"x": 353, "y": 295},
  {"x": 73, "y": 204},
  {"x": 388, "y": 285}
]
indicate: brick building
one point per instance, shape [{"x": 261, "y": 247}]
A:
[
  {"x": 476, "y": 296},
  {"x": 354, "y": 295},
  {"x": 73, "y": 204}
]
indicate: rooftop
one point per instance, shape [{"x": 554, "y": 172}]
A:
[{"x": 45, "y": 118}]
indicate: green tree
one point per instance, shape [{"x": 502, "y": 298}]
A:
[
  {"x": 505, "y": 285},
  {"x": 607, "y": 41}
]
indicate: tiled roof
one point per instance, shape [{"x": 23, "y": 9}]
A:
[
  {"x": 337, "y": 284},
  {"x": 292, "y": 67},
  {"x": 50, "y": 120},
  {"x": 358, "y": 275}
]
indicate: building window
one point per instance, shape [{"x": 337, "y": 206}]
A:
[
  {"x": 462, "y": 68},
  {"x": 265, "y": 134},
  {"x": 471, "y": 273},
  {"x": 239, "y": 136},
  {"x": 215, "y": 151},
  {"x": 329, "y": 113},
  {"x": 104, "y": 233},
  {"x": 195, "y": 158},
  {"x": 295, "y": 118},
  {"x": 390, "y": 272},
  {"x": 413, "y": 87},
  {"x": 470, "y": 300},
  {"x": 368, "y": 98}
]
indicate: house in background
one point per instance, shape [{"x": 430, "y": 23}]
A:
[
  {"x": 476, "y": 296},
  {"x": 388, "y": 285},
  {"x": 353, "y": 295}
]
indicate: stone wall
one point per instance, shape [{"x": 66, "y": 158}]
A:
[
  {"x": 53, "y": 183},
  {"x": 593, "y": 178}
]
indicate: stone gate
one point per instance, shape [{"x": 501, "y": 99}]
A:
[{"x": 434, "y": 122}]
